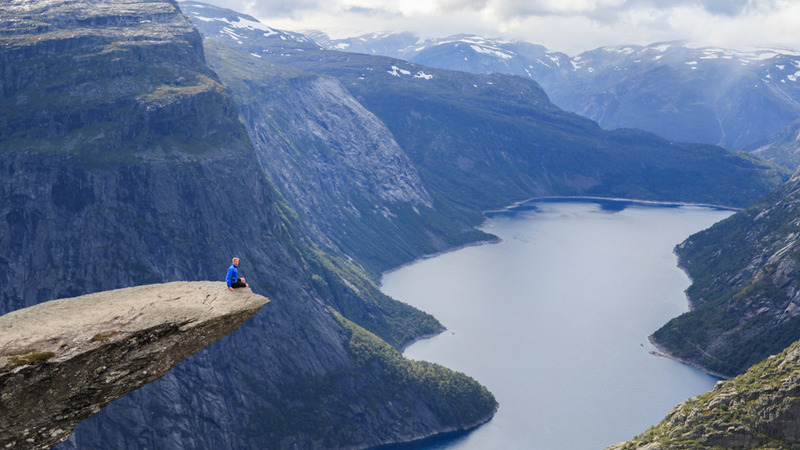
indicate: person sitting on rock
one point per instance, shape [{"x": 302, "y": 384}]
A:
[{"x": 233, "y": 276}]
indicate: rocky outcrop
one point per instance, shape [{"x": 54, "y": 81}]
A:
[
  {"x": 62, "y": 361},
  {"x": 759, "y": 409},
  {"x": 782, "y": 147}
]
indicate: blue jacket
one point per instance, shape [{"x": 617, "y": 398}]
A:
[{"x": 233, "y": 275}]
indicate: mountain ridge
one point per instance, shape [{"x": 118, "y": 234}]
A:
[
  {"x": 743, "y": 296},
  {"x": 733, "y": 98},
  {"x": 755, "y": 410}
]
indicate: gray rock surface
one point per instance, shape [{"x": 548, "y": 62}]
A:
[{"x": 63, "y": 360}]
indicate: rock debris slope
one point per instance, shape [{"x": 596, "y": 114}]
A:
[{"x": 63, "y": 360}]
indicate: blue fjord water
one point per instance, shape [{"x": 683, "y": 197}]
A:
[{"x": 554, "y": 320}]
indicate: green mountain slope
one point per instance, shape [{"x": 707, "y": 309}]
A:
[
  {"x": 746, "y": 280},
  {"x": 782, "y": 147},
  {"x": 478, "y": 140},
  {"x": 354, "y": 188}
]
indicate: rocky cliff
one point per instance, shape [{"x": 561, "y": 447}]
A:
[
  {"x": 759, "y": 409},
  {"x": 745, "y": 292},
  {"x": 123, "y": 162},
  {"x": 337, "y": 164},
  {"x": 63, "y": 360}
]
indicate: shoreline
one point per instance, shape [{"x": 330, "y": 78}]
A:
[
  {"x": 685, "y": 270},
  {"x": 521, "y": 206},
  {"x": 515, "y": 205},
  {"x": 497, "y": 240},
  {"x": 662, "y": 352},
  {"x": 612, "y": 199},
  {"x": 422, "y": 337},
  {"x": 448, "y": 433}
]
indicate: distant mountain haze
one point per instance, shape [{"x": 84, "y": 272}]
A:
[{"x": 727, "y": 97}]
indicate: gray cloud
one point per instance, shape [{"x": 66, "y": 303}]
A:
[
  {"x": 271, "y": 8},
  {"x": 507, "y": 9},
  {"x": 725, "y": 7},
  {"x": 612, "y": 11},
  {"x": 570, "y": 26}
]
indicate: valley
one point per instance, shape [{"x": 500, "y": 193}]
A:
[{"x": 149, "y": 141}]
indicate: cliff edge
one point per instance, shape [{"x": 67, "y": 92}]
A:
[{"x": 62, "y": 361}]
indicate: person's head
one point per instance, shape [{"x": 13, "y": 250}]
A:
[{"x": 236, "y": 261}]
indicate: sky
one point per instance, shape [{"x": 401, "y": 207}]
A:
[{"x": 569, "y": 26}]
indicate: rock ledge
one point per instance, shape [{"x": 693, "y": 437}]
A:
[{"x": 62, "y": 361}]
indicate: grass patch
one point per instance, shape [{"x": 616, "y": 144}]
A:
[
  {"x": 102, "y": 337},
  {"x": 30, "y": 358}
]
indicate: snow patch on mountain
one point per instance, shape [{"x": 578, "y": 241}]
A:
[
  {"x": 396, "y": 71},
  {"x": 241, "y": 22},
  {"x": 491, "y": 51}
]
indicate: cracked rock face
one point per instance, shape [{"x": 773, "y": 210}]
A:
[{"x": 62, "y": 361}]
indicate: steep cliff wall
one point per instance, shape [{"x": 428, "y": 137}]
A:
[
  {"x": 123, "y": 162},
  {"x": 474, "y": 142},
  {"x": 338, "y": 165},
  {"x": 63, "y": 360}
]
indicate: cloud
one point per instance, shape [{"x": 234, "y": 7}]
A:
[
  {"x": 610, "y": 11},
  {"x": 273, "y": 8},
  {"x": 571, "y": 26}
]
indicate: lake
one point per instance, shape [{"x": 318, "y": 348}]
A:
[{"x": 555, "y": 320}]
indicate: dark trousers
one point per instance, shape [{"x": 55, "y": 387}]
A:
[{"x": 238, "y": 284}]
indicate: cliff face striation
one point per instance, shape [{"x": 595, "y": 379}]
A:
[
  {"x": 63, "y": 360},
  {"x": 759, "y": 409}
]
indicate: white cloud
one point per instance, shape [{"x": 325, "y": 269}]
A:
[{"x": 570, "y": 26}]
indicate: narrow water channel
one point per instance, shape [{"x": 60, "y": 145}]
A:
[{"x": 554, "y": 320}]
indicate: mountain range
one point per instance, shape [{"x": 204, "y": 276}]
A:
[{"x": 727, "y": 97}]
